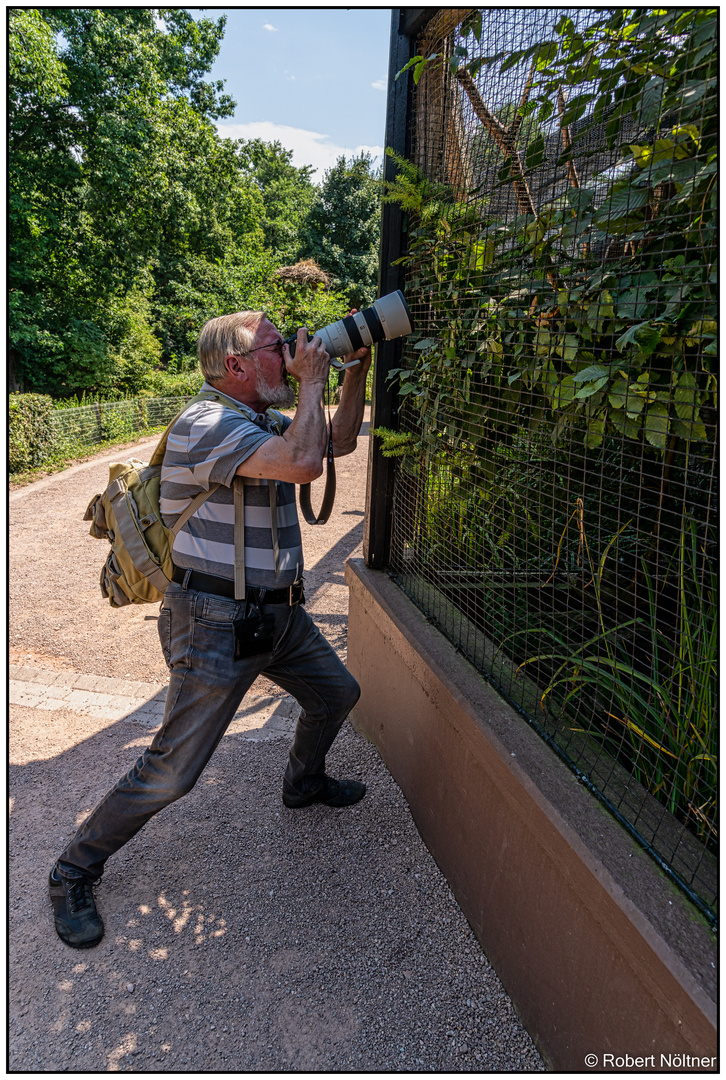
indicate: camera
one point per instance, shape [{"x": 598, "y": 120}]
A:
[{"x": 387, "y": 318}]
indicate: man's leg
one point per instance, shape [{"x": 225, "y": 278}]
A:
[
  {"x": 307, "y": 667},
  {"x": 205, "y": 689}
]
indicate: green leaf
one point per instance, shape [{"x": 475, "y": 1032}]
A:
[
  {"x": 622, "y": 203},
  {"x": 634, "y": 403},
  {"x": 692, "y": 92},
  {"x": 427, "y": 343},
  {"x": 535, "y": 153},
  {"x": 632, "y": 304},
  {"x": 692, "y": 431},
  {"x": 411, "y": 63},
  {"x": 580, "y": 198},
  {"x": 656, "y": 425},
  {"x": 592, "y": 388},
  {"x": 687, "y": 398},
  {"x": 564, "y": 393},
  {"x": 595, "y": 371},
  {"x": 627, "y": 426},
  {"x": 571, "y": 347},
  {"x": 545, "y": 111},
  {"x": 642, "y": 335},
  {"x": 505, "y": 171},
  {"x": 618, "y": 393},
  {"x": 595, "y": 432}
]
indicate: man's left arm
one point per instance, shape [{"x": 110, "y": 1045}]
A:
[{"x": 348, "y": 416}]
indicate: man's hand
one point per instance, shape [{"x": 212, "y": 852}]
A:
[
  {"x": 365, "y": 356},
  {"x": 311, "y": 362}
]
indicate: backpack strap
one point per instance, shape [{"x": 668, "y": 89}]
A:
[
  {"x": 192, "y": 508},
  {"x": 204, "y": 395},
  {"x": 239, "y": 538}
]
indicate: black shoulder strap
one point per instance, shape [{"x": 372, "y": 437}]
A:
[{"x": 329, "y": 494}]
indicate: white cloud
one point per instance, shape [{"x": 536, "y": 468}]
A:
[
  {"x": 379, "y": 84},
  {"x": 270, "y": 27},
  {"x": 308, "y": 147}
]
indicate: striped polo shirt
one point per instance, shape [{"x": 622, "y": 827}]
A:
[{"x": 206, "y": 446}]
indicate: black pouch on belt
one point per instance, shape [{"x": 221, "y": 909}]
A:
[{"x": 253, "y": 635}]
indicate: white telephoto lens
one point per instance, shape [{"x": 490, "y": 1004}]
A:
[
  {"x": 393, "y": 312},
  {"x": 335, "y": 340}
]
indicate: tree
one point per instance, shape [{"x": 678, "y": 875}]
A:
[
  {"x": 112, "y": 156},
  {"x": 287, "y": 193},
  {"x": 343, "y": 228}
]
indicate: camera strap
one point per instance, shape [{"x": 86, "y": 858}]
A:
[{"x": 329, "y": 493}]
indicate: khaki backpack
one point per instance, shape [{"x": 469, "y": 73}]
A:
[{"x": 139, "y": 567}]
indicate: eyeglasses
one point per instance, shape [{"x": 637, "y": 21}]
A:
[{"x": 277, "y": 346}]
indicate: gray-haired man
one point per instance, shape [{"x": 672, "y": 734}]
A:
[{"x": 211, "y": 641}]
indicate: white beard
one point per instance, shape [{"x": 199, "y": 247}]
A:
[{"x": 281, "y": 397}]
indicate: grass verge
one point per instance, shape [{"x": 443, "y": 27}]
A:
[{"x": 76, "y": 454}]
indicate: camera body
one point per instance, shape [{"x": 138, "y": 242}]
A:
[{"x": 386, "y": 319}]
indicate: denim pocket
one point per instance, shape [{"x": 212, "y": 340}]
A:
[{"x": 217, "y": 612}]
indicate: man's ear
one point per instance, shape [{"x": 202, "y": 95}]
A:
[{"x": 236, "y": 366}]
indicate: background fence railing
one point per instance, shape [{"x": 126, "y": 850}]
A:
[
  {"x": 554, "y": 418},
  {"x": 88, "y": 425}
]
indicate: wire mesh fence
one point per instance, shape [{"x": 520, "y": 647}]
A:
[
  {"x": 555, "y": 483},
  {"x": 88, "y": 425}
]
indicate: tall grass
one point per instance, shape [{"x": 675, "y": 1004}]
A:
[{"x": 655, "y": 692}]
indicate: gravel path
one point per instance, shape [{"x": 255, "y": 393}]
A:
[{"x": 240, "y": 936}]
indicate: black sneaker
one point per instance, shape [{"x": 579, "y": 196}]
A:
[
  {"x": 76, "y": 919},
  {"x": 332, "y": 793}
]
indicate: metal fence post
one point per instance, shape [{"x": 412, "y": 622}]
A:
[{"x": 379, "y": 496}]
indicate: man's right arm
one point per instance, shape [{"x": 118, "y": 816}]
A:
[{"x": 298, "y": 456}]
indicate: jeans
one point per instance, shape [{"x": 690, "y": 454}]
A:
[{"x": 205, "y": 690}]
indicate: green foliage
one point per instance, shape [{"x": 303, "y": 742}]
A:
[
  {"x": 131, "y": 221},
  {"x": 666, "y": 706},
  {"x": 162, "y": 384},
  {"x": 589, "y": 319},
  {"x": 30, "y": 433},
  {"x": 626, "y": 347},
  {"x": 113, "y": 160},
  {"x": 287, "y": 194},
  {"x": 343, "y": 228},
  {"x": 396, "y": 443}
]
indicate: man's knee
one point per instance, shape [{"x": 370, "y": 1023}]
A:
[
  {"x": 352, "y": 693},
  {"x": 157, "y": 778}
]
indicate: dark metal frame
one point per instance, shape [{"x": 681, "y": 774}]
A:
[{"x": 406, "y": 24}]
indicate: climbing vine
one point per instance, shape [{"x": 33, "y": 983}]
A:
[{"x": 529, "y": 314}]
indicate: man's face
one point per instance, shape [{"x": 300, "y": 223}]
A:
[{"x": 271, "y": 384}]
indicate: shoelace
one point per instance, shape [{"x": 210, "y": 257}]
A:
[{"x": 80, "y": 895}]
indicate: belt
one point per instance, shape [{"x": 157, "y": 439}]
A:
[{"x": 209, "y": 583}]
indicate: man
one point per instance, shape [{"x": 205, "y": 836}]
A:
[{"x": 212, "y": 642}]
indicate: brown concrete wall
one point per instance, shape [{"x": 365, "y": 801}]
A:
[{"x": 505, "y": 820}]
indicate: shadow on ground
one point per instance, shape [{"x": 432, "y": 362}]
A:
[{"x": 242, "y": 936}]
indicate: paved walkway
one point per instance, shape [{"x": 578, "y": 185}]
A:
[
  {"x": 240, "y": 936},
  {"x": 261, "y": 716}
]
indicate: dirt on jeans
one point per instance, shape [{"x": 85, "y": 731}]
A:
[{"x": 240, "y": 936}]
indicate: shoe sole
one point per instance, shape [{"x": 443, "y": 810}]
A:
[{"x": 79, "y": 944}]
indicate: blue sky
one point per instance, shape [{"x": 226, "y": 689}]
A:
[{"x": 312, "y": 78}]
